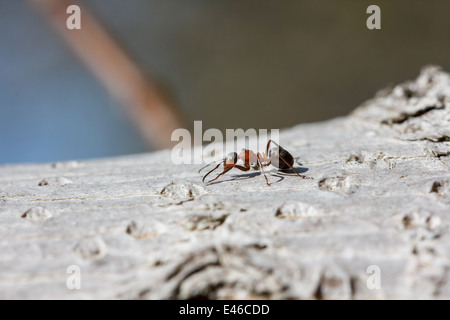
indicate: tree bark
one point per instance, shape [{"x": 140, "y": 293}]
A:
[{"x": 372, "y": 223}]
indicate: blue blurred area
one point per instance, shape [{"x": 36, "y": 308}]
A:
[{"x": 51, "y": 108}]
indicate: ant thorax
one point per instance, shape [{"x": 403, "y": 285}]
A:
[{"x": 248, "y": 156}]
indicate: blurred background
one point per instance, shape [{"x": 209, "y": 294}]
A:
[{"x": 232, "y": 64}]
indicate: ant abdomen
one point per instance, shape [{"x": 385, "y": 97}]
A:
[{"x": 280, "y": 158}]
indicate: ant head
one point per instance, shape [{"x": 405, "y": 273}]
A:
[{"x": 231, "y": 158}]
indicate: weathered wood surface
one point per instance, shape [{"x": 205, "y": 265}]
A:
[{"x": 140, "y": 227}]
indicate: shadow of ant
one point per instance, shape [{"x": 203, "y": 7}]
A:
[
  {"x": 288, "y": 172},
  {"x": 244, "y": 176},
  {"x": 279, "y": 174}
]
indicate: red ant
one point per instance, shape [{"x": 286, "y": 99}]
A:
[{"x": 278, "y": 157}]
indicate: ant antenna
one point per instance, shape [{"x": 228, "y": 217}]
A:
[{"x": 210, "y": 164}]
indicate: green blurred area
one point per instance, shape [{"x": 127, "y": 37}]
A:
[{"x": 273, "y": 64}]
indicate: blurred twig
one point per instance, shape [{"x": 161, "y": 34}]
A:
[{"x": 120, "y": 75}]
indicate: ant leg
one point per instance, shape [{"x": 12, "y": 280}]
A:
[
  {"x": 268, "y": 144},
  {"x": 266, "y": 160},
  {"x": 261, "y": 166},
  {"x": 292, "y": 168},
  {"x": 228, "y": 169},
  {"x": 242, "y": 168},
  {"x": 221, "y": 174}
]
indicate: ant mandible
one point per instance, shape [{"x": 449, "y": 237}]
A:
[{"x": 278, "y": 157}]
